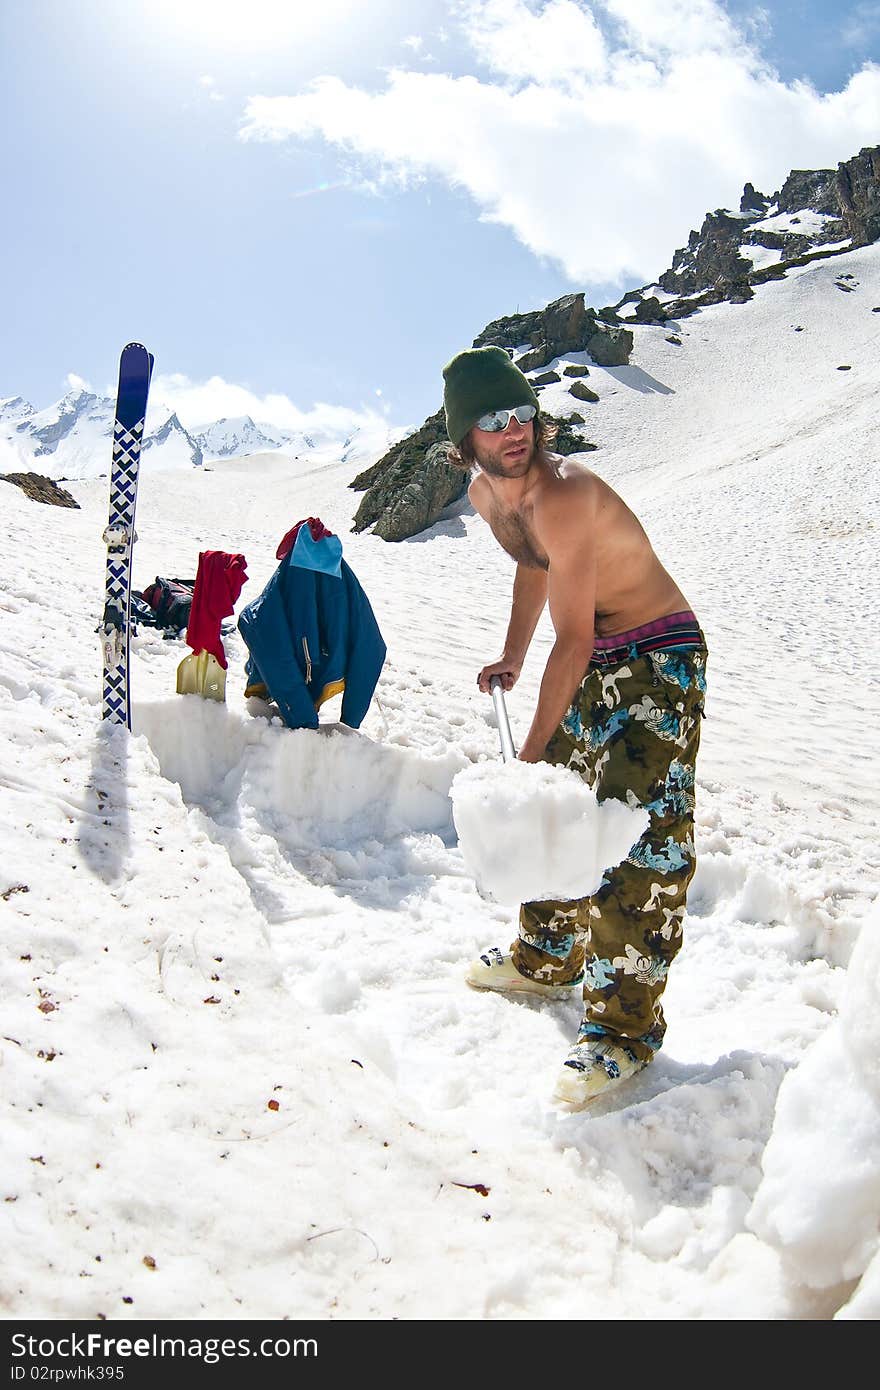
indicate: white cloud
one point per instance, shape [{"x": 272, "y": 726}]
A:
[
  {"x": 198, "y": 403},
  {"x": 512, "y": 39},
  {"x": 675, "y": 26},
  {"x": 603, "y": 132},
  {"x": 76, "y": 383}
]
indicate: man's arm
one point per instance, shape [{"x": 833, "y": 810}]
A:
[
  {"x": 529, "y": 597},
  {"x": 566, "y": 529}
]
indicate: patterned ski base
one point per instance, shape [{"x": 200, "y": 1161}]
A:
[{"x": 135, "y": 369}]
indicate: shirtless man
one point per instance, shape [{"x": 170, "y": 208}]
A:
[{"x": 620, "y": 702}]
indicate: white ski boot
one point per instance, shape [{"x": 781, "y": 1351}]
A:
[
  {"x": 495, "y": 969},
  {"x": 594, "y": 1069}
]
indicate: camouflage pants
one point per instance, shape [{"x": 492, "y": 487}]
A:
[{"x": 632, "y": 732}]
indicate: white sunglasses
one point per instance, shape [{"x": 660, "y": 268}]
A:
[{"x": 497, "y": 420}]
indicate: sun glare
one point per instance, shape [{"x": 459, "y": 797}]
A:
[{"x": 250, "y": 24}]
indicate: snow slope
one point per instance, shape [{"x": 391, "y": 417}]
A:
[{"x": 242, "y": 1076}]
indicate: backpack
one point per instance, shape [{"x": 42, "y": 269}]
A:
[{"x": 169, "y": 602}]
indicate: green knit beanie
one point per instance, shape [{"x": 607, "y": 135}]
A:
[{"x": 480, "y": 380}]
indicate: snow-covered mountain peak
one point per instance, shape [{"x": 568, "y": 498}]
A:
[
  {"x": 15, "y": 409},
  {"x": 232, "y": 436}
]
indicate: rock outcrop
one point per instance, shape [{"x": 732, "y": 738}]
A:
[
  {"x": 808, "y": 188},
  {"x": 566, "y": 325},
  {"x": 41, "y": 489},
  {"x": 711, "y": 258},
  {"x": 408, "y": 488},
  {"x": 752, "y": 201},
  {"x": 817, "y": 213},
  {"x": 857, "y": 185}
]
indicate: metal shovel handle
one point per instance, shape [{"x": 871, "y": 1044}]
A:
[{"x": 508, "y": 752}]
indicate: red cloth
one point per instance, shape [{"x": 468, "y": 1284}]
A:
[
  {"x": 315, "y": 525},
  {"x": 218, "y": 584}
]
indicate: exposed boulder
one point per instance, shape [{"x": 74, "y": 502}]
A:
[
  {"x": 548, "y": 332},
  {"x": 649, "y": 310},
  {"x": 575, "y": 369},
  {"x": 740, "y": 292},
  {"x": 416, "y": 503},
  {"x": 408, "y": 488},
  {"x": 569, "y": 439},
  {"x": 582, "y": 392},
  {"x": 546, "y": 379},
  {"x": 511, "y": 332},
  {"x": 611, "y": 347},
  {"x": 534, "y": 359},
  {"x": 41, "y": 489},
  {"x": 566, "y": 325}
]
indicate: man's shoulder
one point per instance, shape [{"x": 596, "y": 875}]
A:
[
  {"x": 478, "y": 491},
  {"x": 566, "y": 484},
  {"x": 571, "y": 471}
]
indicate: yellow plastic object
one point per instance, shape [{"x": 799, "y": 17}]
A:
[{"x": 200, "y": 673}]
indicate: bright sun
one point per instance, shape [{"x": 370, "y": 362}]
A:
[{"x": 250, "y": 24}]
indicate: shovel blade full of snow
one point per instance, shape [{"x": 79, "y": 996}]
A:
[
  {"x": 535, "y": 832},
  {"x": 200, "y": 673}
]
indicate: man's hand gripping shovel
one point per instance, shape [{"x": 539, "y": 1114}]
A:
[{"x": 508, "y": 752}]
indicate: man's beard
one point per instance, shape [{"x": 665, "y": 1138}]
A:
[{"x": 496, "y": 467}]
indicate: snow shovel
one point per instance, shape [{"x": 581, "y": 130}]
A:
[
  {"x": 508, "y": 752},
  {"x": 200, "y": 673},
  {"x": 535, "y": 832}
]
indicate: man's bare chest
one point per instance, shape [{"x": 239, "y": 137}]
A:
[{"x": 515, "y": 535}]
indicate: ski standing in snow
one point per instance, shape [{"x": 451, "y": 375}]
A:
[
  {"x": 135, "y": 370},
  {"x": 620, "y": 702}
]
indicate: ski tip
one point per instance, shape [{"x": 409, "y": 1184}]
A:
[{"x": 136, "y": 352}]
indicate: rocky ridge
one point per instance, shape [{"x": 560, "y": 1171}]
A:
[{"x": 817, "y": 213}]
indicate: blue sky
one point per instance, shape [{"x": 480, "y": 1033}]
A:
[{"x": 304, "y": 210}]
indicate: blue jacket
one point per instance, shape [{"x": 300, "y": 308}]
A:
[{"x": 311, "y": 634}]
